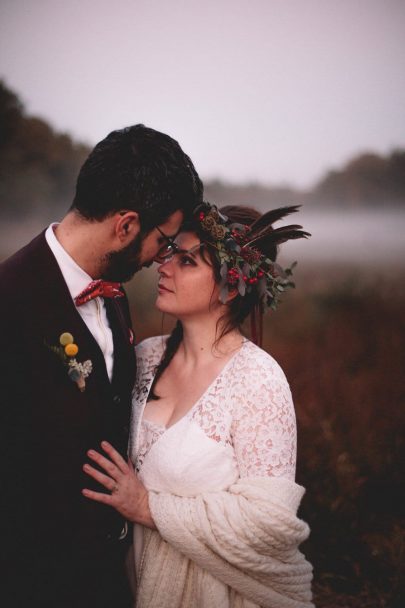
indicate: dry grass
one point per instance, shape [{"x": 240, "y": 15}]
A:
[{"x": 343, "y": 352}]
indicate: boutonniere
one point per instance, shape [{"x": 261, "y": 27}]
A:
[{"x": 67, "y": 351}]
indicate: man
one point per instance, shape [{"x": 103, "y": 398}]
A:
[{"x": 68, "y": 366}]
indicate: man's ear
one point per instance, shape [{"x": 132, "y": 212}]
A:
[{"x": 127, "y": 225}]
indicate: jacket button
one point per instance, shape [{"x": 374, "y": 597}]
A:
[{"x": 117, "y": 399}]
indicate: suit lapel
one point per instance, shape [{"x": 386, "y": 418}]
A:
[
  {"x": 56, "y": 313},
  {"x": 59, "y": 314},
  {"x": 124, "y": 352}
]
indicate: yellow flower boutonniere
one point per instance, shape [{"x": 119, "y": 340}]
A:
[{"x": 67, "y": 351}]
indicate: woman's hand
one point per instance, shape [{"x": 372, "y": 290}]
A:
[{"x": 128, "y": 495}]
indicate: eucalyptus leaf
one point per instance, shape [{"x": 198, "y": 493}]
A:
[
  {"x": 261, "y": 286},
  {"x": 231, "y": 244},
  {"x": 280, "y": 271},
  {"x": 224, "y": 270},
  {"x": 241, "y": 287},
  {"x": 238, "y": 227},
  {"x": 223, "y": 294},
  {"x": 74, "y": 374}
]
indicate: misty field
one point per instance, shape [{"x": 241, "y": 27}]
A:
[{"x": 340, "y": 337}]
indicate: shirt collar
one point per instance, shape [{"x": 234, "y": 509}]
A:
[{"x": 75, "y": 277}]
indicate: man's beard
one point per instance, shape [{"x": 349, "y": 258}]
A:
[{"x": 120, "y": 266}]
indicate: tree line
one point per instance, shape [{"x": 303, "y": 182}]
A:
[{"x": 39, "y": 166}]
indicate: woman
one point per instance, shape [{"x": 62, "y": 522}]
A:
[{"x": 212, "y": 494}]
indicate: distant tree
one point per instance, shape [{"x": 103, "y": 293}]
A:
[
  {"x": 10, "y": 117},
  {"x": 367, "y": 180},
  {"x": 252, "y": 194},
  {"x": 396, "y": 174},
  {"x": 38, "y": 166}
]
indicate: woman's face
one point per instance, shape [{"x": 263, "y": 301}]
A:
[{"x": 186, "y": 283}]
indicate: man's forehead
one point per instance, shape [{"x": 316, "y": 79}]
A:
[{"x": 173, "y": 223}]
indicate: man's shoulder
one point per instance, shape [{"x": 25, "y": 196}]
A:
[
  {"x": 24, "y": 259},
  {"x": 20, "y": 272}
]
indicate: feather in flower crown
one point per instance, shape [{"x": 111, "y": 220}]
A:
[{"x": 239, "y": 248}]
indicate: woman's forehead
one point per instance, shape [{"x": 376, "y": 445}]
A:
[{"x": 187, "y": 240}]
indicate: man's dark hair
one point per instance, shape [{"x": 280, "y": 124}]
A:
[{"x": 138, "y": 169}]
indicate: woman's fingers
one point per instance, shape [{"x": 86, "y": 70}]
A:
[
  {"x": 114, "y": 471},
  {"x": 105, "y": 481},
  {"x": 107, "y": 499},
  {"x": 128, "y": 494},
  {"x": 114, "y": 467},
  {"x": 103, "y": 462},
  {"x": 115, "y": 456}
]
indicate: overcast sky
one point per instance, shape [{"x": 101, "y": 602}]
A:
[{"x": 272, "y": 90}]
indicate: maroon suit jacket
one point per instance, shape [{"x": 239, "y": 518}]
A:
[{"x": 47, "y": 425}]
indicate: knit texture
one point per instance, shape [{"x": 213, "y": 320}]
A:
[{"x": 246, "y": 539}]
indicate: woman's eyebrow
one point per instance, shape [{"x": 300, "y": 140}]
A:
[{"x": 192, "y": 251}]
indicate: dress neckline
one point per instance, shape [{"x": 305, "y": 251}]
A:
[
  {"x": 198, "y": 401},
  {"x": 153, "y": 424}
]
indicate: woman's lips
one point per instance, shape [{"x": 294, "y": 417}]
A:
[{"x": 163, "y": 288}]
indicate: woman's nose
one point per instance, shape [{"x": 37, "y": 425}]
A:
[{"x": 164, "y": 268}]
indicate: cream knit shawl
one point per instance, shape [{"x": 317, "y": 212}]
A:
[{"x": 246, "y": 538}]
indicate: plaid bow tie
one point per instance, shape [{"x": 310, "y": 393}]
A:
[{"x": 99, "y": 288}]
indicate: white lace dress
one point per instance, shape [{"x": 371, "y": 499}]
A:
[{"x": 243, "y": 426}]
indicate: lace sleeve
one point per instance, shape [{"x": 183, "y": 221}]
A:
[
  {"x": 264, "y": 428},
  {"x": 148, "y": 354}
]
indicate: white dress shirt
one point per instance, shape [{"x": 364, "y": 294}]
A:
[{"x": 94, "y": 312}]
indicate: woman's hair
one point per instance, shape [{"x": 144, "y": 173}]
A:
[{"x": 239, "y": 306}]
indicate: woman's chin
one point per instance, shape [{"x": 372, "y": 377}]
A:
[{"x": 161, "y": 305}]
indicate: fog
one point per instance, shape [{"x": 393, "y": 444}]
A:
[
  {"x": 355, "y": 237},
  {"x": 361, "y": 238}
]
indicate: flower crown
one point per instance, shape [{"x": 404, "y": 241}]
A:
[{"x": 243, "y": 266}]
